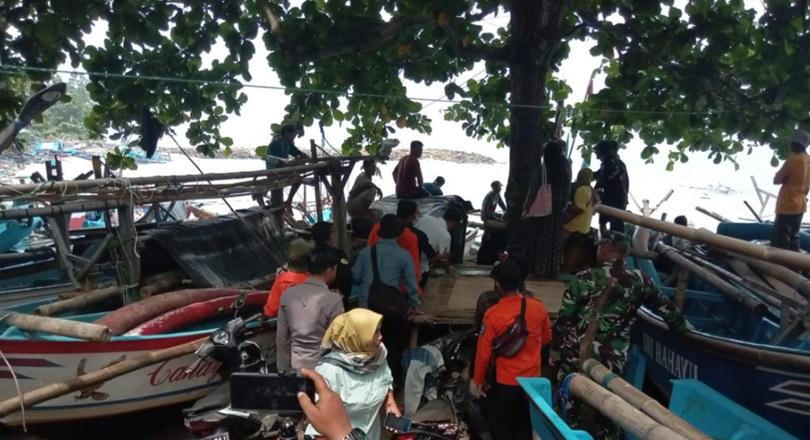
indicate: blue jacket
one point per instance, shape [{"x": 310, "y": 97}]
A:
[{"x": 395, "y": 266}]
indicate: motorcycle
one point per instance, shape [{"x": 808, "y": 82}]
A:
[
  {"x": 442, "y": 414},
  {"x": 211, "y": 417}
]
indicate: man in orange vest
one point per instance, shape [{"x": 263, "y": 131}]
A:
[
  {"x": 506, "y": 403},
  {"x": 794, "y": 176}
]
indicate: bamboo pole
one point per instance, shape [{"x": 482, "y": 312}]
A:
[
  {"x": 56, "y": 326},
  {"x": 620, "y": 412},
  {"x": 641, "y": 401},
  {"x": 766, "y": 253},
  {"x": 712, "y": 214},
  {"x": 54, "y": 390},
  {"x": 77, "y": 302},
  {"x": 61, "y": 187},
  {"x": 164, "y": 282},
  {"x": 724, "y": 287},
  {"x": 796, "y": 281},
  {"x": 680, "y": 288}
]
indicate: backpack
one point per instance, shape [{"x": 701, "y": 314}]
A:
[{"x": 384, "y": 299}]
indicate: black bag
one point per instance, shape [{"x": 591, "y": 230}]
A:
[
  {"x": 509, "y": 343},
  {"x": 384, "y": 299}
]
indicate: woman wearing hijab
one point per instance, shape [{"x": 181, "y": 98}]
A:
[
  {"x": 354, "y": 365},
  {"x": 546, "y": 232},
  {"x": 579, "y": 249}
]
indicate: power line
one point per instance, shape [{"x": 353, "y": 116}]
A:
[{"x": 19, "y": 70}]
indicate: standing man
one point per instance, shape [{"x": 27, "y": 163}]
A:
[
  {"x": 599, "y": 308},
  {"x": 435, "y": 188},
  {"x": 279, "y": 151},
  {"x": 411, "y": 239},
  {"x": 506, "y": 403},
  {"x": 408, "y": 174},
  {"x": 324, "y": 237},
  {"x": 491, "y": 202},
  {"x": 794, "y": 176},
  {"x": 395, "y": 269},
  {"x": 612, "y": 184},
  {"x": 306, "y": 311}
]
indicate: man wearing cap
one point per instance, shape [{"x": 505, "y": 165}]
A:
[
  {"x": 612, "y": 184},
  {"x": 491, "y": 202},
  {"x": 599, "y": 308},
  {"x": 278, "y": 152},
  {"x": 293, "y": 274},
  {"x": 794, "y": 176}
]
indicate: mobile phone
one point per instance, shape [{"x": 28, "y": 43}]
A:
[
  {"x": 399, "y": 425},
  {"x": 275, "y": 392}
]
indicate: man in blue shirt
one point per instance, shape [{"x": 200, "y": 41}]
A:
[
  {"x": 396, "y": 268},
  {"x": 434, "y": 188},
  {"x": 278, "y": 152},
  {"x": 394, "y": 264}
]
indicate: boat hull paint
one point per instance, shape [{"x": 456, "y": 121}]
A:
[
  {"x": 38, "y": 363},
  {"x": 773, "y": 384}
]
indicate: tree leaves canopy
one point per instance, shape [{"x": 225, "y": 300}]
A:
[{"x": 710, "y": 76}]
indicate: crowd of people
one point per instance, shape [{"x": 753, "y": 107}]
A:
[{"x": 355, "y": 356}]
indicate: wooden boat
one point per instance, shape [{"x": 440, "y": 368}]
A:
[
  {"x": 758, "y": 232},
  {"x": 37, "y": 359},
  {"x": 730, "y": 351}
]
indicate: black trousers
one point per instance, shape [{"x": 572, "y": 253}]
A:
[
  {"x": 508, "y": 413},
  {"x": 393, "y": 333},
  {"x": 615, "y": 224},
  {"x": 786, "y": 231}
]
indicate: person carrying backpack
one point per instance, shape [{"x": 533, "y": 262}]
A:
[{"x": 509, "y": 344}]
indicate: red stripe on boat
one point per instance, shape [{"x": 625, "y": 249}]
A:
[
  {"x": 7, "y": 375},
  {"x": 11, "y": 346}
]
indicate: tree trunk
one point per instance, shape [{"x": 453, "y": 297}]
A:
[{"x": 535, "y": 30}]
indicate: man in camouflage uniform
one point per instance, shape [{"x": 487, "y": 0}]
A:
[{"x": 618, "y": 292}]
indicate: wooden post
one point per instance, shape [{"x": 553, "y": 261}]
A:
[
  {"x": 61, "y": 240},
  {"x": 641, "y": 401},
  {"x": 680, "y": 287},
  {"x": 318, "y": 202},
  {"x": 77, "y": 302},
  {"x": 619, "y": 411},
  {"x": 339, "y": 208},
  {"x": 56, "y": 326},
  {"x": 128, "y": 235},
  {"x": 54, "y": 390}
]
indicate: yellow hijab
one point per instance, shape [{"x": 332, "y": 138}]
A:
[
  {"x": 353, "y": 331},
  {"x": 584, "y": 177}
]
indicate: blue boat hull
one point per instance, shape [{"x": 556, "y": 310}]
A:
[
  {"x": 771, "y": 382},
  {"x": 757, "y": 231}
]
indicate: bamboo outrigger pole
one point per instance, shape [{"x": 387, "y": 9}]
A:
[
  {"x": 54, "y": 390},
  {"x": 725, "y": 287},
  {"x": 56, "y": 326},
  {"x": 641, "y": 401},
  {"x": 620, "y": 412},
  {"x": 765, "y": 253}
]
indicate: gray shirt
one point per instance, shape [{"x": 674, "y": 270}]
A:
[{"x": 306, "y": 311}]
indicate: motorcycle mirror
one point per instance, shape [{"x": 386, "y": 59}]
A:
[
  {"x": 34, "y": 106},
  {"x": 240, "y": 301}
]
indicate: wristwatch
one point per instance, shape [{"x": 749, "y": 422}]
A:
[{"x": 356, "y": 434}]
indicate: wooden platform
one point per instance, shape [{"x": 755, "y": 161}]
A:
[{"x": 451, "y": 298}]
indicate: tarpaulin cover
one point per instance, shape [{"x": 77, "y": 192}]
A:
[
  {"x": 434, "y": 206},
  {"x": 224, "y": 251}
]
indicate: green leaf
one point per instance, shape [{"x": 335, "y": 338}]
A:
[
  {"x": 261, "y": 151},
  {"x": 774, "y": 161},
  {"x": 226, "y": 141}
]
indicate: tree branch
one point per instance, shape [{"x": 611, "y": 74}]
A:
[{"x": 275, "y": 29}]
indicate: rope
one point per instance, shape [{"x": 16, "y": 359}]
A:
[
  {"x": 19, "y": 70},
  {"x": 562, "y": 397},
  {"x": 16, "y": 384}
]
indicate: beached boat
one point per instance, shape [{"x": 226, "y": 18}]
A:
[
  {"x": 757, "y": 232},
  {"x": 36, "y": 359},
  {"x": 729, "y": 350}
]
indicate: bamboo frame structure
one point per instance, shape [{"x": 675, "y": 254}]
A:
[
  {"x": 641, "y": 401},
  {"x": 619, "y": 411},
  {"x": 765, "y": 253}
]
